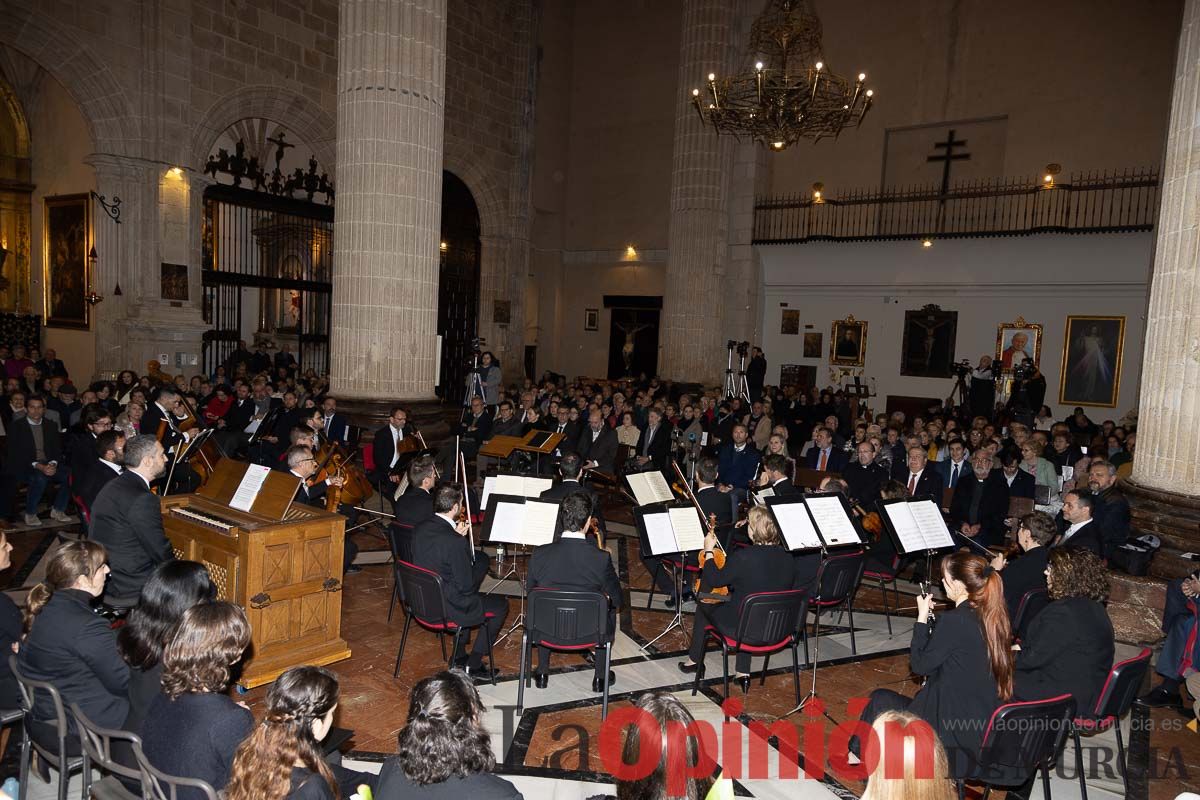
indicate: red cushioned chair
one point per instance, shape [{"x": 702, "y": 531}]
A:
[
  {"x": 1116, "y": 698},
  {"x": 1020, "y": 740},
  {"x": 885, "y": 577},
  {"x": 565, "y": 620},
  {"x": 423, "y": 600},
  {"x": 836, "y": 584}
]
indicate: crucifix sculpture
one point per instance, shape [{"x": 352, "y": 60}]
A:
[{"x": 947, "y": 156}]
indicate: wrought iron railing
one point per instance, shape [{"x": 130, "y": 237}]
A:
[{"x": 1084, "y": 203}]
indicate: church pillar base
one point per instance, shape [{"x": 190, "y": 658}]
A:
[{"x": 1173, "y": 518}]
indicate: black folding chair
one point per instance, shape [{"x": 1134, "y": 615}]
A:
[
  {"x": 66, "y": 765},
  {"x": 767, "y": 623},
  {"x": 1116, "y": 698},
  {"x": 565, "y": 620},
  {"x": 1030, "y": 605},
  {"x": 1021, "y": 739},
  {"x": 836, "y": 584},
  {"x": 399, "y": 536},
  {"x": 157, "y": 785},
  {"x": 885, "y": 577},
  {"x": 423, "y": 600},
  {"x": 98, "y": 751}
]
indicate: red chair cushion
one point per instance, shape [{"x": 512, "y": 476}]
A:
[
  {"x": 1093, "y": 724},
  {"x": 368, "y": 454},
  {"x": 732, "y": 644}
]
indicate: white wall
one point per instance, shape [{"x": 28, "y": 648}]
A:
[{"x": 987, "y": 281}]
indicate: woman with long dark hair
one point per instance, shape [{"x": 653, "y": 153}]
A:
[
  {"x": 966, "y": 660},
  {"x": 667, "y": 711},
  {"x": 445, "y": 752},
  {"x": 173, "y": 588}
]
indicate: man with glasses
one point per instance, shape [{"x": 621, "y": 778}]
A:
[
  {"x": 303, "y": 465},
  {"x": 81, "y": 446}
]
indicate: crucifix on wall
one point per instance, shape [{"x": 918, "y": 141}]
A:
[{"x": 948, "y": 156}]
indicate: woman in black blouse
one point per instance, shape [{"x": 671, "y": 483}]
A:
[{"x": 966, "y": 660}]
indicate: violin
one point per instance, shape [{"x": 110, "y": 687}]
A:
[
  {"x": 871, "y": 522},
  {"x": 716, "y": 593}
]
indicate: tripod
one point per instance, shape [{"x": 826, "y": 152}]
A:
[
  {"x": 736, "y": 387},
  {"x": 961, "y": 392},
  {"x": 474, "y": 387}
]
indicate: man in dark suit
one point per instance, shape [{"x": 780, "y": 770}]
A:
[
  {"x": 562, "y": 423},
  {"x": 273, "y": 442},
  {"x": 1181, "y": 649},
  {"x": 570, "y": 467},
  {"x": 162, "y": 410},
  {"x": 654, "y": 445},
  {"x": 284, "y": 359},
  {"x": 823, "y": 455},
  {"x": 980, "y": 503},
  {"x": 1027, "y": 572},
  {"x": 81, "y": 446},
  {"x": 921, "y": 481},
  {"x": 110, "y": 452},
  {"x": 392, "y": 448},
  {"x": 774, "y": 477},
  {"x": 756, "y": 373},
  {"x": 51, "y": 366},
  {"x": 415, "y": 506},
  {"x": 597, "y": 444},
  {"x": 336, "y": 426},
  {"x": 572, "y": 563},
  {"x": 737, "y": 463},
  {"x": 1020, "y": 483},
  {"x": 35, "y": 457},
  {"x": 956, "y": 467},
  {"x": 302, "y": 465},
  {"x": 127, "y": 520},
  {"x": 438, "y": 546},
  {"x": 864, "y": 476},
  {"x": 1082, "y": 531},
  {"x": 232, "y": 436},
  {"x": 1112, "y": 509}
]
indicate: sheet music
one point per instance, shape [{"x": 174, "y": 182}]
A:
[
  {"x": 650, "y": 487},
  {"x": 508, "y": 522},
  {"x": 760, "y": 496},
  {"x": 832, "y": 521},
  {"x": 660, "y": 533},
  {"x": 540, "y": 519},
  {"x": 248, "y": 489},
  {"x": 689, "y": 533},
  {"x": 796, "y": 526},
  {"x": 908, "y": 531},
  {"x": 514, "y": 485}
]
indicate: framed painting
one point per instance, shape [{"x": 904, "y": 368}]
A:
[
  {"x": 812, "y": 344},
  {"x": 173, "y": 281},
  {"x": 66, "y": 235},
  {"x": 929, "y": 340},
  {"x": 1018, "y": 342},
  {"x": 801, "y": 375},
  {"x": 848, "y": 342},
  {"x": 591, "y": 319},
  {"x": 789, "y": 323},
  {"x": 1093, "y": 349}
]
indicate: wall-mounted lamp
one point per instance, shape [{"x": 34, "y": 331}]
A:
[
  {"x": 1052, "y": 171},
  {"x": 630, "y": 252},
  {"x": 927, "y": 242},
  {"x": 443, "y": 247},
  {"x": 818, "y": 195},
  {"x": 91, "y": 298}
]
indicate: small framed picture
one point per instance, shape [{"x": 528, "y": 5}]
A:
[
  {"x": 812, "y": 345},
  {"x": 789, "y": 323},
  {"x": 591, "y": 319},
  {"x": 848, "y": 342},
  {"x": 1018, "y": 342}
]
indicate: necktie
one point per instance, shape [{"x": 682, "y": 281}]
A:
[
  {"x": 953, "y": 476},
  {"x": 328, "y": 422},
  {"x": 823, "y": 461},
  {"x": 912, "y": 485}
]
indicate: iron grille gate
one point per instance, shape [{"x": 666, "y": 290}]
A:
[{"x": 267, "y": 273}]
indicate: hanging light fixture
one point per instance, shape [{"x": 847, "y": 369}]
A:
[{"x": 790, "y": 94}]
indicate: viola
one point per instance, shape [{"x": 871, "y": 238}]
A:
[{"x": 718, "y": 560}]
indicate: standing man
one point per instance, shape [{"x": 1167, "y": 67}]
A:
[{"x": 756, "y": 373}]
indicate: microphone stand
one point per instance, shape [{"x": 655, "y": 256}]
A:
[{"x": 816, "y": 659}]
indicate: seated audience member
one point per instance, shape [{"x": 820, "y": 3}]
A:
[
  {"x": 572, "y": 563},
  {"x": 110, "y": 449},
  {"x": 127, "y": 520},
  {"x": 1026, "y": 572},
  {"x": 956, "y": 467},
  {"x": 1069, "y": 645},
  {"x": 922, "y": 481},
  {"x": 173, "y": 588},
  {"x": 1043, "y": 472},
  {"x": 193, "y": 728},
  {"x": 1181, "y": 649},
  {"x": 764, "y": 567},
  {"x": 864, "y": 476},
  {"x": 916, "y": 782},
  {"x": 597, "y": 444},
  {"x": 1112, "y": 509},
  {"x": 980, "y": 503},
  {"x": 282, "y": 759},
  {"x": 824, "y": 455},
  {"x": 654, "y": 446},
  {"x": 966, "y": 660},
  {"x": 737, "y": 463},
  {"x": 35, "y": 458},
  {"x": 1062, "y": 453},
  {"x": 70, "y": 646},
  {"x": 438, "y": 546},
  {"x": 445, "y": 750},
  {"x": 1079, "y": 506},
  {"x": 1020, "y": 483}
]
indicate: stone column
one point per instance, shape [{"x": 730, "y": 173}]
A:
[
  {"x": 390, "y": 108},
  {"x": 1166, "y": 469},
  {"x": 692, "y": 347}
]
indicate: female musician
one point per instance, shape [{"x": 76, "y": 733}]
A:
[
  {"x": 764, "y": 567},
  {"x": 967, "y": 661}
]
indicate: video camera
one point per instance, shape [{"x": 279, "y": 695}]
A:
[{"x": 963, "y": 368}]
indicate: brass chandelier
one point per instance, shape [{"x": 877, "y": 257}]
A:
[{"x": 790, "y": 94}]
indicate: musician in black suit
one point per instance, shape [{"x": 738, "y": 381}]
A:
[
  {"x": 597, "y": 444},
  {"x": 127, "y": 520},
  {"x": 1082, "y": 531},
  {"x": 574, "y": 563},
  {"x": 712, "y": 502},
  {"x": 1035, "y": 533},
  {"x": 980, "y": 503},
  {"x": 35, "y": 457},
  {"x": 774, "y": 477},
  {"x": 570, "y": 467},
  {"x": 231, "y": 434},
  {"x": 415, "y": 506},
  {"x": 161, "y": 413},
  {"x": 274, "y": 440},
  {"x": 1020, "y": 483},
  {"x": 921, "y": 481},
  {"x": 823, "y": 455},
  {"x": 654, "y": 445},
  {"x": 336, "y": 426},
  {"x": 110, "y": 452},
  {"x": 1068, "y": 648},
  {"x": 439, "y": 545},
  {"x": 765, "y": 567},
  {"x": 864, "y": 476},
  {"x": 302, "y": 464},
  {"x": 389, "y": 448}
]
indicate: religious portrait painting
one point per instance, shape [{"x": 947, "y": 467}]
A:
[
  {"x": 929, "y": 340},
  {"x": 66, "y": 238},
  {"x": 789, "y": 325},
  {"x": 173, "y": 282},
  {"x": 1093, "y": 348},
  {"x": 812, "y": 344},
  {"x": 591, "y": 319},
  {"x": 848, "y": 342},
  {"x": 1018, "y": 342}
]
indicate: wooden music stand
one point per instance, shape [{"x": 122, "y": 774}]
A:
[
  {"x": 549, "y": 442},
  {"x": 501, "y": 446},
  {"x": 809, "y": 478}
]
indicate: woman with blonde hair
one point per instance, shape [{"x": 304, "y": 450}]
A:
[
  {"x": 764, "y": 567},
  {"x": 903, "y": 776}
]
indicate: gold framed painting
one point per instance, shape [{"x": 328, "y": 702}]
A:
[
  {"x": 848, "y": 342},
  {"x": 1093, "y": 351},
  {"x": 1017, "y": 342},
  {"x": 66, "y": 237}
]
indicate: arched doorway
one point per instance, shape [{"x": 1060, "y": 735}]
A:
[{"x": 458, "y": 285}]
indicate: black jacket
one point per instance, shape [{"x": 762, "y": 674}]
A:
[
  {"x": 1023, "y": 574},
  {"x": 747, "y": 570},
  {"x": 384, "y": 449},
  {"x": 150, "y": 422},
  {"x": 993, "y": 507},
  {"x": 864, "y": 482},
  {"x": 395, "y": 785},
  {"x": 835, "y": 463},
  {"x": 476, "y": 430},
  {"x": 574, "y": 565},
  {"x": 88, "y": 485},
  {"x": 659, "y": 447},
  {"x": 195, "y": 736},
  {"x": 74, "y": 648},
  {"x": 438, "y": 547},
  {"x": 239, "y": 415},
  {"x": 22, "y": 452},
  {"x": 1114, "y": 518},
  {"x": 127, "y": 520},
  {"x": 10, "y": 632},
  {"x": 603, "y": 451},
  {"x": 1068, "y": 649},
  {"x": 1022, "y": 485},
  {"x": 414, "y": 507},
  {"x": 81, "y": 453},
  {"x": 929, "y": 485},
  {"x": 1086, "y": 538}
]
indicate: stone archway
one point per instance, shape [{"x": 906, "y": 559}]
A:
[{"x": 294, "y": 111}]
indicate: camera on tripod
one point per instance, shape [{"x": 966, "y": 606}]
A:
[
  {"x": 963, "y": 368},
  {"x": 1023, "y": 371}
]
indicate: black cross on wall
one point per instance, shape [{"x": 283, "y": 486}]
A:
[{"x": 947, "y": 156}]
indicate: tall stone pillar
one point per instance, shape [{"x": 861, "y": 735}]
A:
[
  {"x": 390, "y": 108},
  {"x": 1165, "y": 485},
  {"x": 698, "y": 237}
]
